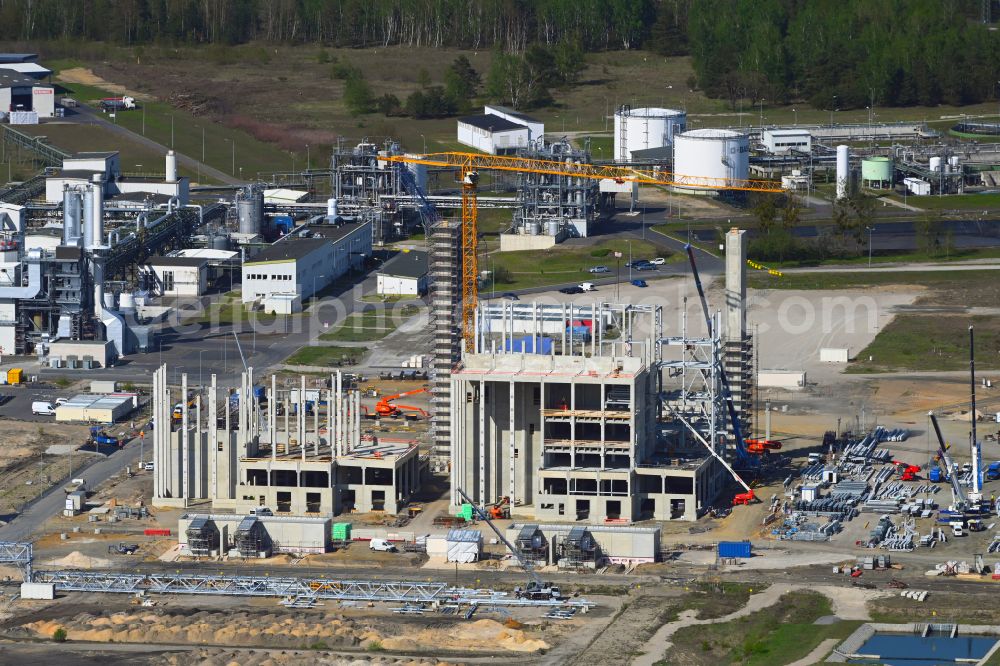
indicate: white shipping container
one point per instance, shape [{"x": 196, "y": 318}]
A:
[
  {"x": 834, "y": 355},
  {"x": 103, "y": 386},
  {"x": 46, "y": 591}
]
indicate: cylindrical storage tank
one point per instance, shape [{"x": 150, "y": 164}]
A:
[
  {"x": 171, "y": 167},
  {"x": 642, "y": 129},
  {"x": 876, "y": 172},
  {"x": 98, "y": 216},
  {"x": 71, "y": 215},
  {"x": 843, "y": 171},
  {"x": 552, "y": 228},
  {"x": 331, "y": 207},
  {"x": 127, "y": 302},
  {"x": 534, "y": 228},
  {"x": 88, "y": 217},
  {"x": 109, "y": 300},
  {"x": 934, "y": 163},
  {"x": 705, "y": 159},
  {"x": 251, "y": 213},
  {"x": 955, "y": 161},
  {"x": 220, "y": 242}
]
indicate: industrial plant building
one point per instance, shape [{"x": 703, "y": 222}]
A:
[
  {"x": 294, "y": 450},
  {"x": 303, "y": 264},
  {"x": 24, "y": 99},
  {"x": 403, "y": 275}
]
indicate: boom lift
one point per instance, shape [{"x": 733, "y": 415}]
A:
[
  {"x": 385, "y": 406},
  {"x": 470, "y": 164},
  {"x": 958, "y": 499},
  {"x": 536, "y": 589}
]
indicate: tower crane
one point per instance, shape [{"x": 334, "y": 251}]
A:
[{"x": 470, "y": 164}]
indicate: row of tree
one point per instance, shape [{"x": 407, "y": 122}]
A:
[{"x": 844, "y": 54}]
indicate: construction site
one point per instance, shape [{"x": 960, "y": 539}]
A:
[{"x": 624, "y": 471}]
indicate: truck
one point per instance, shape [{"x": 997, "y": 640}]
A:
[
  {"x": 124, "y": 549},
  {"x": 117, "y": 103},
  {"x": 75, "y": 485},
  {"x": 993, "y": 471},
  {"x": 99, "y": 437},
  {"x": 538, "y": 591}
]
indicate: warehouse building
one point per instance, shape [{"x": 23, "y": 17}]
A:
[
  {"x": 403, "y": 275},
  {"x": 23, "y": 63},
  {"x": 296, "y": 268},
  {"x": 536, "y": 128},
  {"x": 178, "y": 276},
  {"x": 24, "y": 98},
  {"x": 88, "y": 408},
  {"x": 493, "y": 134},
  {"x": 778, "y": 141}
]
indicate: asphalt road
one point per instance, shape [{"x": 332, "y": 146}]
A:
[{"x": 53, "y": 501}]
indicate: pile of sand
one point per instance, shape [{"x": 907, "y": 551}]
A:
[
  {"x": 487, "y": 635},
  {"x": 205, "y": 628},
  {"x": 87, "y": 77},
  {"x": 218, "y": 657},
  {"x": 77, "y": 560}
]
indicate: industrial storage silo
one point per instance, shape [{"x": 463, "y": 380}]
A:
[
  {"x": 843, "y": 171},
  {"x": 642, "y": 129},
  {"x": 250, "y": 209},
  {"x": 707, "y": 158}
]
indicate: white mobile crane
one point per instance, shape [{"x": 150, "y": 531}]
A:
[{"x": 536, "y": 589}]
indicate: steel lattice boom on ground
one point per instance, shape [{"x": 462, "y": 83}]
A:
[
  {"x": 277, "y": 586},
  {"x": 17, "y": 553}
]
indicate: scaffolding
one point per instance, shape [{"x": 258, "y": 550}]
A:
[
  {"x": 446, "y": 297},
  {"x": 251, "y": 540},
  {"x": 19, "y": 554},
  {"x": 202, "y": 537},
  {"x": 532, "y": 545},
  {"x": 578, "y": 550}
]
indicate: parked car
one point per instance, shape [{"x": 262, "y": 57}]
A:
[
  {"x": 659, "y": 261},
  {"x": 587, "y": 286},
  {"x": 600, "y": 269},
  {"x": 509, "y": 295},
  {"x": 636, "y": 263},
  {"x": 571, "y": 290},
  {"x": 61, "y": 401},
  {"x": 639, "y": 283},
  {"x": 149, "y": 466},
  {"x": 644, "y": 267}
]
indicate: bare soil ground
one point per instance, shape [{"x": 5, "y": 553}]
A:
[{"x": 25, "y": 470}]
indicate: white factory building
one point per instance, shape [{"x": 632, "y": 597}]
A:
[
  {"x": 24, "y": 98},
  {"x": 778, "y": 141},
  {"x": 281, "y": 275},
  {"x": 23, "y": 63},
  {"x": 499, "y": 130},
  {"x": 403, "y": 275},
  {"x": 179, "y": 276},
  {"x": 81, "y": 169}
]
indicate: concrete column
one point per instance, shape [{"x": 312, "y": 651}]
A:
[
  {"x": 213, "y": 441},
  {"x": 512, "y": 416},
  {"x": 357, "y": 418},
  {"x": 272, "y": 421},
  {"x": 286, "y": 402},
  {"x": 185, "y": 453},
  {"x": 319, "y": 399},
  {"x": 483, "y": 450},
  {"x": 593, "y": 327},
  {"x": 339, "y": 421},
  {"x": 302, "y": 415},
  {"x": 199, "y": 473},
  {"x": 157, "y": 427},
  {"x": 242, "y": 415},
  {"x": 330, "y": 402},
  {"x": 736, "y": 290},
  {"x": 562, "y": 328}
]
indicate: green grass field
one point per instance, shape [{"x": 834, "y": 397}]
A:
[
  {"x": 971, "y": 202},
  {"x": 930, "y": 343},
  {"x": 848, "y": 280},
  {"x": 568, "y": 264},
  {"x": 328, "y": 355},
  {"x": 779, "y": 634},
  {"x": 362, "y": 327}
]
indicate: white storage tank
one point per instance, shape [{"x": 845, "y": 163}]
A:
[
  {"x": 935, "y": 164},
  {"x": 707, "y": 158},
  {"x": 645, "y": 128},
  {"x": 171, "y": 167},
  {"x": 843, "y": 171}
]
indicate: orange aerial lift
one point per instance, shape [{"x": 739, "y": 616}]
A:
[
  {"x": 385, "y": 406},
  {"x": 470, "y": 164}
]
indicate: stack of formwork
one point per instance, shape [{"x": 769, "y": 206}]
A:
[{"x": 446, "y": 300}]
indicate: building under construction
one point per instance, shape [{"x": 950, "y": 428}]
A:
[{"x": 292, "y": 449}]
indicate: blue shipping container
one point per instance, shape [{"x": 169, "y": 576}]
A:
[{"x": 729, "y": 549}]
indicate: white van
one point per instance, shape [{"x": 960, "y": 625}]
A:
[
  {"x": 587, "y": 286},
  {"x": 382, "y": 545},
  {"x": 43, "y": 407}
]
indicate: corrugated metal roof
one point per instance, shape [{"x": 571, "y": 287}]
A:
[{"x": 465, "y": 536}]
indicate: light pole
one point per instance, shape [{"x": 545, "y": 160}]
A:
[
  {"x": 144, "y": 120},
  {"x": 171, "y": 130},
  {"x": 629, "y": 259},
  {"x": 870, "y": 230},
  {"x": 315, "y": 277},
  {"x": 762, "y": 100},
  {"x": 200, "y": 383},
  {"x": 308, "y": 158},
  {"x": 425, "y": 143},
  {"x": 493, "y": 277}
]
